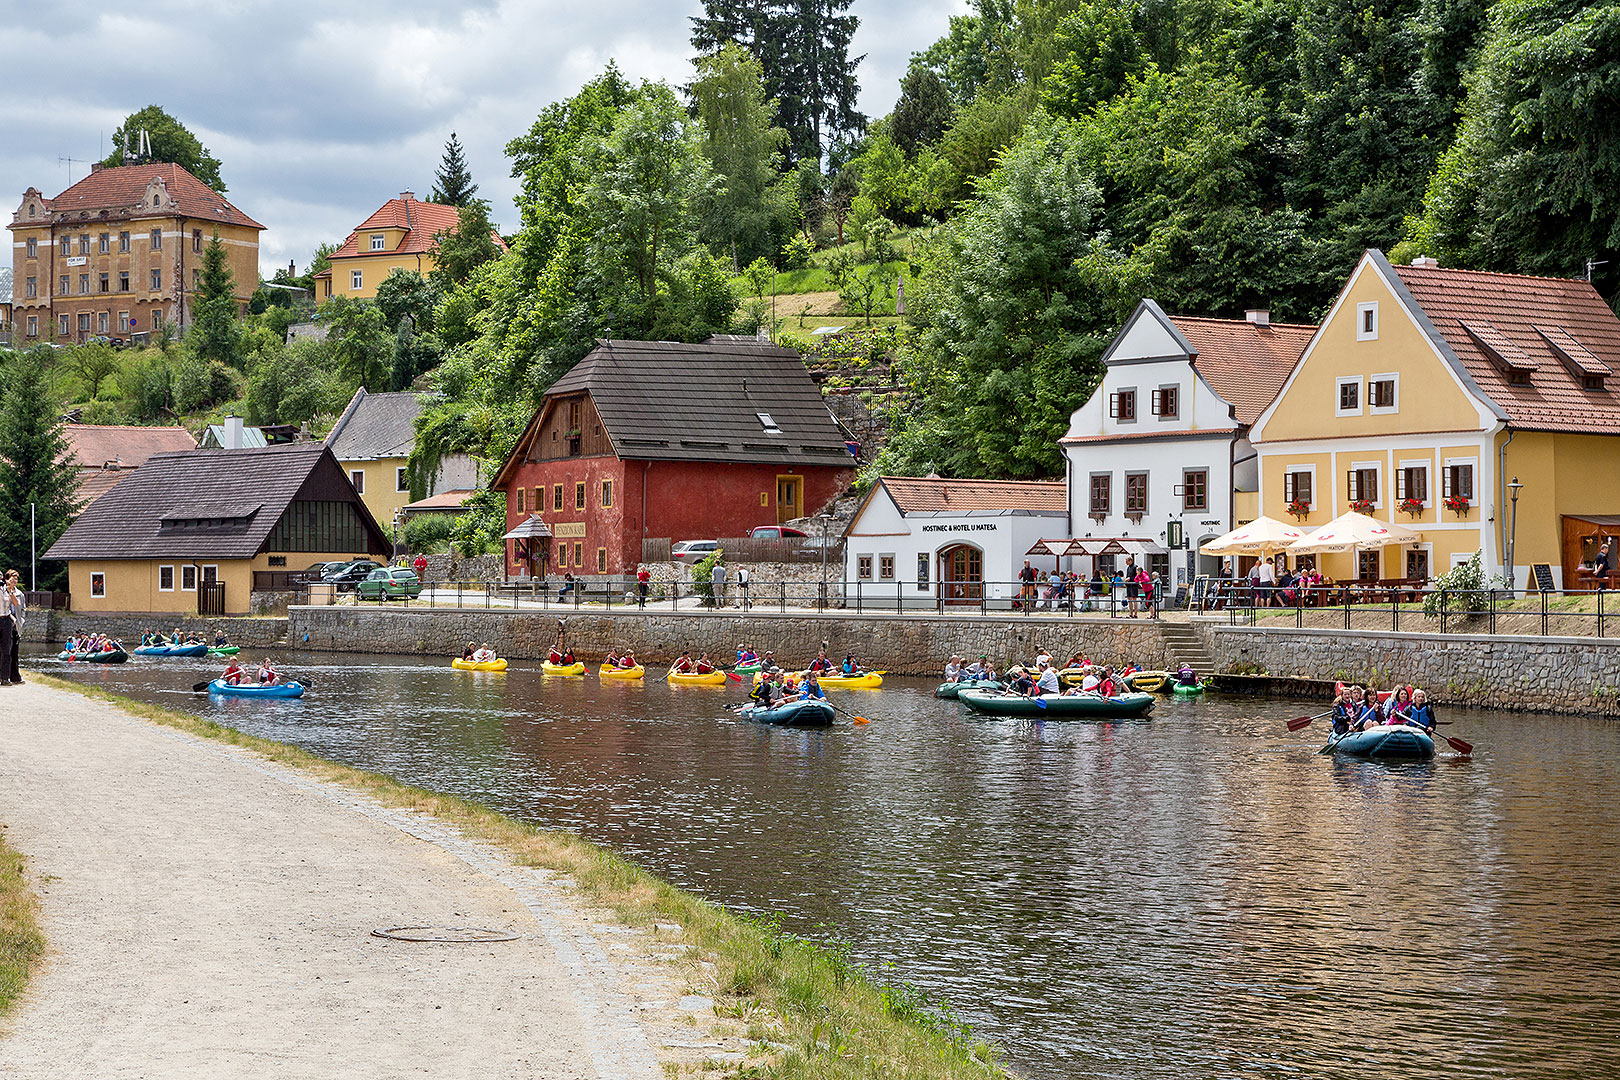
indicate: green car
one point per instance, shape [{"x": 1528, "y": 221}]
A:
[{"x": 390, "y": 582}]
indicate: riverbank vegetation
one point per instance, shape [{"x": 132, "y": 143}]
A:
[
  {"x": 835, "y": 1020},
  {"x": 21, "y": 941}
]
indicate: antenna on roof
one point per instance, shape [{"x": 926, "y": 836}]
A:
[
  {"x": 71, "y": 161},
  {"x": 1593, "y": 264}
]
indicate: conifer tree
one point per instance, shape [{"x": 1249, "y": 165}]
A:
[
  {"x": 35, "y": 468},
  {"x": 453, "y": 182},
  {"x": 215, "y": 334}
]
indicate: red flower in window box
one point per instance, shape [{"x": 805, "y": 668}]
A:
[
  {"x": 1299, "y": 508},
  {"x": 1362, "y": 506},
  {"x": 1457, "y": 504},
  {"x": 1411, "y": 506}
]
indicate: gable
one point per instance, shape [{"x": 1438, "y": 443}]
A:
[
  {"x": 1147, "y": 335},
  {"x": 1430, "y": 395}
]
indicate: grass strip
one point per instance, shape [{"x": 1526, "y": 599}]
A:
[
  {"x": 836, "y": 1021},
  {"x": 21, "y": 941}
]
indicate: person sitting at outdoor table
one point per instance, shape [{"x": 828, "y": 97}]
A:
[{"x": 233, "y": 673}]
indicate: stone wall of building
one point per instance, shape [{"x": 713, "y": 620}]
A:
[
  {"x": 58, "y": 626},
  {"x": 453, "y": 567},
  {"x": 1570, "y": 675}
]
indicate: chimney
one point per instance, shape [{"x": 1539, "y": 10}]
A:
[
  {"x": 1258, "y": 316},
  {"x": 1425, "y": 260},
  {"x": 95, "y": 166},
  {"x": 292, "y": 268},
  {"x": 233, "y": 433},
  {"x": 407, "y": 196}
]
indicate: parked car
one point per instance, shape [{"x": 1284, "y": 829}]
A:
[
  {"x": 691, "y": 551},
  {"x": 318, "y": 571},
  {"x": 389, "y": 583},
  {"x": 350, "y": 572},
  {"x": 773, "y": 532}
]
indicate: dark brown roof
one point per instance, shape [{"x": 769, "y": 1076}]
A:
[
  {"x": 931, "y": 494},
  {"x": 208, "y": 504},
  {"x": 1244, "y": 363},
  {"x": 123, "y": 187},
  {"x": 670, "y": 401},
  {"x": 1556, "y": 330},
  {"x": 91, "y": 446}
]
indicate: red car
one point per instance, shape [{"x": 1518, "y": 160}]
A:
[{"x": 773, "y": 532}]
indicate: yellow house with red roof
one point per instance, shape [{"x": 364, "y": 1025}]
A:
[
  {"x": 1426, "y": 394},
  {"x": 400, "y": 235}
]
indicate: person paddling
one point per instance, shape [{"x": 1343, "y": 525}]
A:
[
  {"x": 267, "y": 673},
  {"x": 1345, "y": 707},
  {"x": 812, "y": 688},
  {"x": 233, "y": 673},
  {"x": 823, "y": 663},
  {"x": 627, "y": 662},
  {"x": 704, "y": 667},
  {"x": 1047, "y": 682},
  {"x": 1421, "y": 713},
  {"x": 683, "y": 663}
]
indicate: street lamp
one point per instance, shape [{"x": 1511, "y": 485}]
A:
[{"x": 1513, "y": 526}]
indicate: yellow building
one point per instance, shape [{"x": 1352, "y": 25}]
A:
[
  {"x": 373, "y": 439},
  {"x": 197, "y": 532},
  {"x": 1425, "y": 394},
  {"x": 120, "y": 253},
  {"x": 398, "y": 236}
]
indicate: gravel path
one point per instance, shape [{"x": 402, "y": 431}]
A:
[{"x": 209, "y": 913}]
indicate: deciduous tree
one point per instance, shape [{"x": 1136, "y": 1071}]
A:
[
  {"x": 170, "y": 141},
  {"x": 35, "y": 468}
]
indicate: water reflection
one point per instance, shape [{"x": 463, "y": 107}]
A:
[{"x": 1197, "y": 895}]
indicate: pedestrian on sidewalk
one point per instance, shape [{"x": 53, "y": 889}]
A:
[
  {"x": 16, "y": 610},
  {"x": 718, "y": 579},
  {"x": 643, "y": 579},
  {"x": 742, "y": 587},
  {"x": 8, "y": 632}
]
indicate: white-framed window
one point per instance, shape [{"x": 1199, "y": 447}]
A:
[
  {"x": 103, "y": 243},
  {"x": 33, "y": 288},
  {"x": 1367, "y": 321},
  {"x": 358, "y": 478},
  {"x": 101, "y": 321},
  {"x": 1299, "y": 484},
  {"x": 378, "y": 241},
  {"x": 886, "y": 567},
  {"x": 157, "y": 281},
  {"x": 123, "y": 321},
  {"x": 357, "y": 279},
  {"x": 1362, "y": 483},
  {"x": 1167, "y": 402},
  {"x": 165, "y": 579},
  {"x": 1347, "y": 395},
  {"x": 863, "y": 567},
  {"x": 33, "y": 245},
  {"x": 1459, "y": 558},
  {"x": 33, "y": 326},
  {"x": 123, "y": 242},
  {"x": 401, "y": 481},
  {"x": 1122, "y": 405},
  {"x": 210, "y": 573},
  {"x": 1458, "y": 478},
  {"x": 98, "y": 583},
  {"x": 188, "y": 578},
  {"x": 1384, "y": 393},
  {"x": 1412, "y": 481},
  {"x": 64, "y": 325},
  {"x": 156, "y": 241}
]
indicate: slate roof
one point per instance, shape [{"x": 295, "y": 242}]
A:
[
  {"x": 123, "y": 188},
  {"x": 421, "y": 220},
  {"x": 90, "y": 446},
  {"x": 376, "y": 426},
  {"x": 1244, "y": 363},
  {"x": 239, "y": 494},
  {"x": 671, "y": 401},
  {"x": 931, "y": 494},
  {"x": 1555, "y": 329}
]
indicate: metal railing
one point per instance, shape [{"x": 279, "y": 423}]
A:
[
  {"x": 758, "y": 549},
  {"x": 1361, "y": 606}
]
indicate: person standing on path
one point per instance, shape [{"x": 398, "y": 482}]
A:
[
  {"x": 742, "y": 587},
  {"x": 8, "y": 635},
  {"x": 420, "y": 566},
  {"x": 718, "y": 578},
  {"x": 643, "y": 579}
]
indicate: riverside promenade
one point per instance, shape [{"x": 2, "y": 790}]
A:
[{"x": 209, "y": 912}]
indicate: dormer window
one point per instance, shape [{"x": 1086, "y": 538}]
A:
[
  {"x": 31, "y": 209},
  {"x": 1592, "y": 382},
  {"x": 378, "y": 242},
  {"x": 766, "y": 422}
]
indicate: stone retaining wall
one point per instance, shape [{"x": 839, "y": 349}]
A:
[
  {"x": 59, "y": 626},
  {"x": 912, "y": 645},
  {"x": 1547, "y": 674}
]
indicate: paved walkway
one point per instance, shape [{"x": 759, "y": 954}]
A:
[{"x": 210, "y": 914}]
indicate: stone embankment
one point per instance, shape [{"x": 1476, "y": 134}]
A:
[{"x": 42, "y": 626}]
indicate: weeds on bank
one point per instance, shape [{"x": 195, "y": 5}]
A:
[
  {"x": 834, "y": 1019},
  {"x": 21, "y": 942}
]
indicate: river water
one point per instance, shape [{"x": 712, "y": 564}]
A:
[{"x": 1199, "y": 895}]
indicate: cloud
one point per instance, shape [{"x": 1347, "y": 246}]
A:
[{"x": 317, "y": 120}]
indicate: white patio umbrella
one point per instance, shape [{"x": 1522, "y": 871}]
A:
[
  {"x": 1258, "y": 537},
  {"x": 1352, "y": 532}
]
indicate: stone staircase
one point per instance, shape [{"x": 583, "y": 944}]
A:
[{"x": 1184, "y": 646}]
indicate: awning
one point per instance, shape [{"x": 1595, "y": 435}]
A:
[
  {"x": 529, "y": 527},
  {"x": 1093, "y": 546}
]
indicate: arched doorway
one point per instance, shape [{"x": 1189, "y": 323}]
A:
[{"x": 961, "y": 574}]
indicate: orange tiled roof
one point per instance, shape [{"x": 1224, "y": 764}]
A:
[
  {"x": 90, "y": 446},
  {"x": 930, "y": 494},
  {"x": 1246, "y": 364},
  {"x": 123, "y": 187},
  {"x": 1558, "y": 325},
  {"x": 420, "y": 220}
]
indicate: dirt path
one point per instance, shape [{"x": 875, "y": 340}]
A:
[{"x": 210, "y": 914}]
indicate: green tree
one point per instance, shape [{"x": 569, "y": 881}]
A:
[
  {"x": 94, "y": 363},
  {"x": 289, "y": 384},
  {"x": 170, "y": 141},
  {"x": 362, "y": 346},
  {"x": 35, "y": 468},
  {"x": 743, "y": 149},
  {"x": 215, "y": 333},
  {"x": 407, "y": 294},
  {"x": 923, "y": 112},
  {"x": 453, "y": 184},
  {"x": 461, "y": 249}
]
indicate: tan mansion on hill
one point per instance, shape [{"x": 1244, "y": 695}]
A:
[{"x": 120, "y": 253}]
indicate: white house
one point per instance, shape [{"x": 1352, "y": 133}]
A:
[
  {"x": 1162, "y": 446},
  {"x": 925, "y": 539}
]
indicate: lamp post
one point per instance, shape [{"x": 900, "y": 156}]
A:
[
  {"x": 1513, "y": 526},
  {"x": 826, "y": 520}
]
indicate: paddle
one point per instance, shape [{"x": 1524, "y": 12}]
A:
[
  {"x": 1466, "y": 749},
  {"x": 1299, "y": 723},
  {"x": 853, "y": 717}
]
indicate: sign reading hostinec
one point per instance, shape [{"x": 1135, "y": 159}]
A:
[{"x": 990, "y": 526}]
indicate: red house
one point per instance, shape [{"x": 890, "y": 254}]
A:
[{"x": 663, "y": 439}]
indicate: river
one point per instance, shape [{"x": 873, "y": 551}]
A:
[{"x": 1199, "y": 895}]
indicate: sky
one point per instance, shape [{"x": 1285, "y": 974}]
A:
[{"x": 318, "y": 119}]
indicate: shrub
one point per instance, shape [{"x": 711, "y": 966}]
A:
[
  {"x": 703, "y": 576},
  {"x": 1465, "y": 588},
  {"x": 427, "y": 533},
  {"x": 797, "y": 254}
]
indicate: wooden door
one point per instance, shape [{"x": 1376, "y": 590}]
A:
[
  {"x": 961, "y": 574},
  {"x": 789, "y": 498}
]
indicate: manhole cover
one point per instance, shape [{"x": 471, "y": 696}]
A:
[{"x": 450, "y": 935}]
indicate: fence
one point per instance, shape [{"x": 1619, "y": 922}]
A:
[
  {"x": 44, "y": 601},
  {"x": 759, "y": 549},
  {"x": 1545, "y": 613},
  {"x": 282, "y": 580}
]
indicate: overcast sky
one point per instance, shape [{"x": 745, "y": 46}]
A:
[{"x": 317, "y": 120}]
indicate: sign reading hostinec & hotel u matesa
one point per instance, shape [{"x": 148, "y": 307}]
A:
[{"x": 963, "y": 527}]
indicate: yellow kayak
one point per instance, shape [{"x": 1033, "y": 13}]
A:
[
  {"x": 1148, "y": 681},
  {"x": 622, "y": 672},
  {"x": 548, "y": 668},
  {"x": 498, "y": 664},
  {"x": 866, "y": 680},
  {"x": 713, "y": 678}
]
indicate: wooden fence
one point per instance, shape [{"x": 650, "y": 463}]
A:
[{"x": 749, "y": 549}]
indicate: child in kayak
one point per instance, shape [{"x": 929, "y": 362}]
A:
[{"x": 233, "y": 674}]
